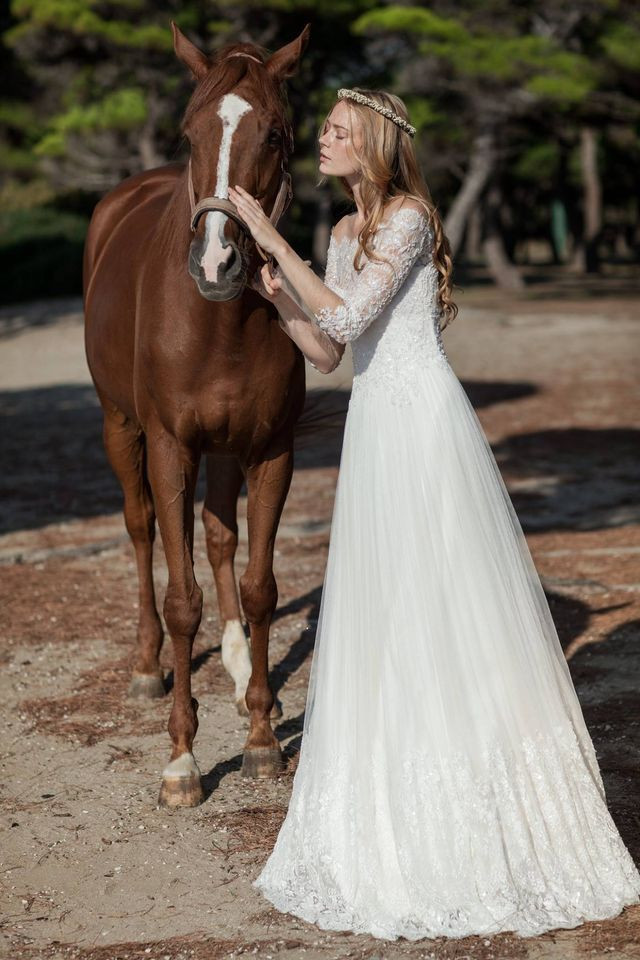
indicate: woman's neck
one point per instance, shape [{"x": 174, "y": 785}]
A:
[{"x": 354, "y": 182}]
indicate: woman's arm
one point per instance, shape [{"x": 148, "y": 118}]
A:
[
  {"x": 319, "y": 348},
  {"x": 310, "y": 288},
  {"x": 400, "y": 240},
  {"x": 307, "y": 285}
]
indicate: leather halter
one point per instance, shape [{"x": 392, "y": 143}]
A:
[{"x": 207, "y": 204}]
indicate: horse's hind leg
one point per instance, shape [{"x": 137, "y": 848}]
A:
[
  {"x": 125, "y": 447},
  {"x": 219, "y": 514}
]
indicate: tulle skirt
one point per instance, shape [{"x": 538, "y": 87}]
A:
[{"x": 447, "y": 784}]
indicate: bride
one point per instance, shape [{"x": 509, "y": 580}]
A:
[{"x": 447, "y": 784}]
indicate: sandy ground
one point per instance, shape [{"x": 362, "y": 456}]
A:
[{"x": 89, "y": 866}]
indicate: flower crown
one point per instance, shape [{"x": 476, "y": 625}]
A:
[{"x": 344, "y": 92}]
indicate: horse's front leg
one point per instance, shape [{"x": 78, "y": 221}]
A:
[
  {"x": 173, "y": 471},
  {"x": 267, "y": 487}
]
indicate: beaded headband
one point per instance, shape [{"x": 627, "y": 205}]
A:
[{"x": 344, "y": 92}]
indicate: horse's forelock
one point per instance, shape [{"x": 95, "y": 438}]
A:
[{"x": 226, "y": 72}]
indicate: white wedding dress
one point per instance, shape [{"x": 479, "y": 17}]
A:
[{"x": 447, "y": 784}]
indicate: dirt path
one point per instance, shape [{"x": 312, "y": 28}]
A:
[{"x": 89, "y": 866}]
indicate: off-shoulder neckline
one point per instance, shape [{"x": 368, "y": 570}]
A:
[{"x": 384, "y": 223}]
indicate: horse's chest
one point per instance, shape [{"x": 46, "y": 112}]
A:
[{"x": 226, "y": 417}]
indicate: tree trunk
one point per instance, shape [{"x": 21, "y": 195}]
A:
[
  {"x": 586, "y": 254},
  {"x": 481, "y": 167},
  {"x": 322, "y": 228},
  {"x": 473, "y": 236},
  {"x": 149, "y": 155},
  {"x": 503, "y": 272}
]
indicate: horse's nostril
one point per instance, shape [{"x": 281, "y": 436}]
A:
[{"x": 233, "y": 265}]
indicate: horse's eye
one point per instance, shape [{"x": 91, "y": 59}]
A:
[{"x": 275, "y": 138}]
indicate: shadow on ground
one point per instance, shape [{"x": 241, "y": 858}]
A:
[{"x": 56, "y": 468}]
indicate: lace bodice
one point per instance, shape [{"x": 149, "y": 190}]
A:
[{"x": 390, "y": 313}]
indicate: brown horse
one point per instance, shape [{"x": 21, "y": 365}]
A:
[{"x": 189, "y": 360}]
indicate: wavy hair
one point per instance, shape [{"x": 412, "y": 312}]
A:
[{"x": 390, "y": 169}]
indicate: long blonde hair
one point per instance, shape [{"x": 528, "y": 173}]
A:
[{"x": 390, "y": 169}]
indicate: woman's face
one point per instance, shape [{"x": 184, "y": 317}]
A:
[{"x": 338, "y": 143}]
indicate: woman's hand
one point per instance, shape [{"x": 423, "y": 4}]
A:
[
  {"x": 268, "y": 286},
  {"x": 271, "y": 286},
  {"x": 262, "y": 230}
]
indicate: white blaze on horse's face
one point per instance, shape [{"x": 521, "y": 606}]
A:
[{"x": 232, "y": 108}]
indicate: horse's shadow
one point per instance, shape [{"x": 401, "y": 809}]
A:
[{"x": 52, "y": 439}]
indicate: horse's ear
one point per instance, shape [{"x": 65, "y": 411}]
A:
[
  {"x": 186, "y": 51},
  {"x": 285, "y": 61}
]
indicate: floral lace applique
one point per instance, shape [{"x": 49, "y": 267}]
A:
[
  {"x": 400, "y": 240},
  {"x": 565, "y": 859},
  {"x": 391, "y": 314}
]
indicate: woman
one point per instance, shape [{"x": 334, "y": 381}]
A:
[{"x": 447, "y": 783}]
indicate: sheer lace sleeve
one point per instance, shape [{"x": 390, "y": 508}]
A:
[
  {"x": 400, "y": 239},
  {"x": 330, "y": 277},
  {"x": 298, "y": 323}
]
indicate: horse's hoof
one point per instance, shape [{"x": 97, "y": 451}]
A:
[
  {"x": 262, "y": 763},
  {"x": 146, "y": 686},
  {"x": 181, "y": 783},
  {"x": 181, "y": 792}
]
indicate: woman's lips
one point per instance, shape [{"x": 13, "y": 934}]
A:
[{"x": 323, "y": 156}]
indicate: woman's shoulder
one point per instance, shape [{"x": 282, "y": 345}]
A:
[
  {"x": 344, "y": 228},
  {"x": 406, "y": 209},
  {"x": 404, "y": 206}
]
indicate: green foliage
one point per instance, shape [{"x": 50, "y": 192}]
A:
[
  {"x": 566, "y": 89},
  {"x": 79, "y": 17},
  {"x": 415, "y": 20},
  {"x": 536, "y": 62},
  {"x": 622, "y": 45},
  {"x": 25, "y": 194},
  {"x": 423, "y": 112},
  {"x": 18, "y": 115},
  {"x": 537, "y": 162},
  {"x": 93, "y": 73},
  {"x": 43, "y": 223},
  {"x": 123, "y": 109},
  {"x": 17, "y": 159},
  {"x": 219, "y": 28},
  {"x": 40, "y": 253},
  {"x": 20, "y": 121}
]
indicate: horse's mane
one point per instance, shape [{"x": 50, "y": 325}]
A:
[{"x": 224, "y": 75}]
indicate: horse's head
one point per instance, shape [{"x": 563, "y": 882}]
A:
[{"x": 237, "y": 125}]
